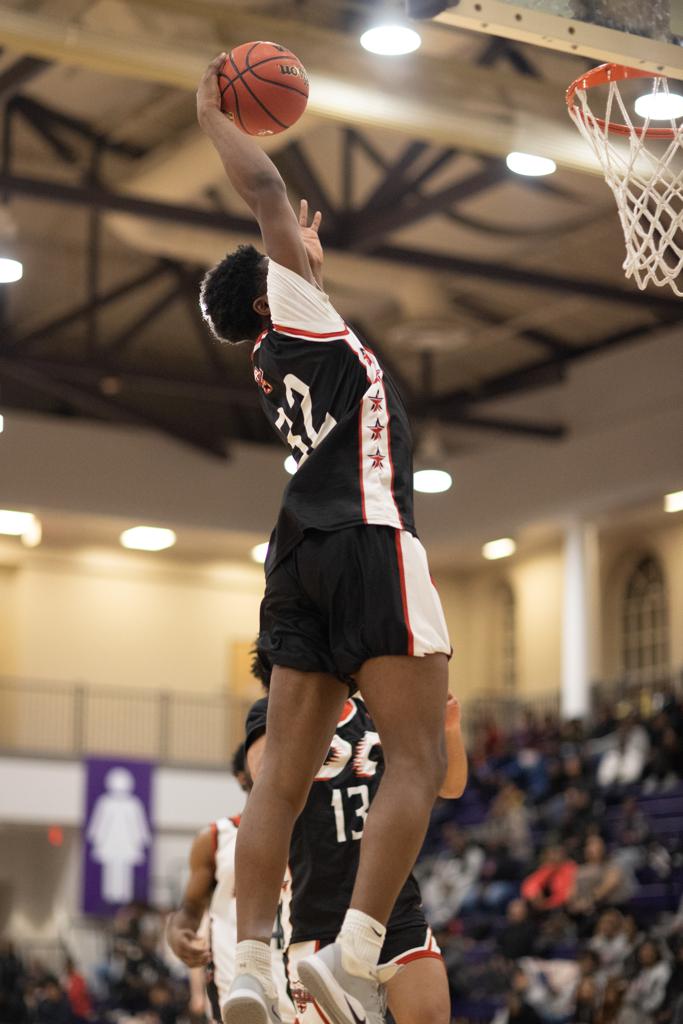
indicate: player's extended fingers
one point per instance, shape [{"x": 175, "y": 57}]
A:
[
  {"x": 315, "y": 223},
  {"x": 303, "y": 213}
]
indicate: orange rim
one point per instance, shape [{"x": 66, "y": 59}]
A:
[{"x": 603, "y": 75}]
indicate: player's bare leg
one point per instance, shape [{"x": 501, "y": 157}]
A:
[
  {"x": 406, "y": 698},
  {"x": 419, "y": 993},
  {"x": 303, "y": 711}
]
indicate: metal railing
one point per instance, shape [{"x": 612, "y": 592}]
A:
[{"x": 57, "y": 719}]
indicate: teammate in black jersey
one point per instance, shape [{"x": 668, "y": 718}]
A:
[
  {"x": 323, "y": 860},
  {"x": 349, "y": 600}
]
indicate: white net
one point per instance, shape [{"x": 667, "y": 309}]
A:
[{"x": 643, "y": 165}]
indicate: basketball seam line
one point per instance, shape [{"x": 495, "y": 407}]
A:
[
  {"x": 279, "y": 85},
  {"x": 253, "y": 94}
]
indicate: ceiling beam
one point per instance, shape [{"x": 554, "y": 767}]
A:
[
  {"x": 520, "y": 428},
  {"x": 544, "y": 372},
  {"x": 27, "y": 340},
  {"x": 94, "y": 195},
  {"x": 98, "y": 406},
  {"x": 19, "y": 74}
]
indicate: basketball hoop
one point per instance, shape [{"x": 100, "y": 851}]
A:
[{"x": 643, "y": 165}]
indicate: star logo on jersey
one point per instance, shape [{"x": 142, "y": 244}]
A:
[
  {"x": 376, "y": 431},
  {"x": 366, "y": 356},
  {"x": 377, "y": 459},
  {"x": 376, "y": 402},
  {"x": 261, "y": 381}
]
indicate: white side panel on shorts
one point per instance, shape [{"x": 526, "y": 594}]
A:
[{"x": 423, "y": 604}]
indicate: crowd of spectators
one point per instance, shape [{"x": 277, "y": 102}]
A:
[
  {"x": 135, "y": 984},
  {"x": 555, "y": 885}
]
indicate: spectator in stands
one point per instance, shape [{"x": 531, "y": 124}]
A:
[
  {"x": 610, "y": 942},
  {"x": 665, "y": 767},
  {"x": 517, "y": 937},
  {"x": 447, "y": 878},
  {"x": 508, "y": 822},
  {"x": 671, "y": 1010},
  {"x": 645, "y": 995},
  {"x": 77, "y": 993},
  {"x": 550, "y": 885},
  {"x": 578, "y": 820},
  {"x": 600, "y": 881},
  {"x": 623, "y": 764},
  {"x": 51, "y": 1005},
  {"x": 632, "y": 832},
  {"x": 11, "y": 980}
]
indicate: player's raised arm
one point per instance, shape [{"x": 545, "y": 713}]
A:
[
  {"x": 183, "y": 925},
  {"x": 254, "y": 176}
]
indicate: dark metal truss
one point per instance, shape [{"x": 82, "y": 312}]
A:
[{"x": 400, "y": 198}]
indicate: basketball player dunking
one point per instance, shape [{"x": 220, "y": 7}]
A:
[{"x": 349, "y": 602}]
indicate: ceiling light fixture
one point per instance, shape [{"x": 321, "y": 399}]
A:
[
  {"x": 673, "y": 502},
  {"x": 659, "y": 106},
  {"x": 10, "y": 270},
  {"x": 14, "y": 524},
  {"x": 148, "y": 538},
  {"x": 259, "y": 552},
  {"x": 530, "y": 165},
  {"x": 290, "y": 465},
  {"x": 501, "y": 548},
  {"x": 33, "y": 534},
  {"x": 391, "y": 40},
  {"x": 432, "y": 481}
]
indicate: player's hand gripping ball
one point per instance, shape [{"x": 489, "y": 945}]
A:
[{"x": 263, "y": 87}]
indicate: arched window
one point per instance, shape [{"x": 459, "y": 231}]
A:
[
  {"x": 645, "y": 624},
  {"x": 508, "y": 645}
]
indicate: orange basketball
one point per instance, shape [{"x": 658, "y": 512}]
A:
[{"x": 264, "y": 88}]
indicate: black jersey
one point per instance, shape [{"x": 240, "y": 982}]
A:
[
  {"x": 325, "y": 848},
  {"x": 328, "y": 398}
]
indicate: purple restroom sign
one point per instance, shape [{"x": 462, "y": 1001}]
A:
[{"x": 117, "y": 834}]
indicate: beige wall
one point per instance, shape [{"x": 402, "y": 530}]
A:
[
  {"x": 115, "y": 620},
  {"x": 620, "y": 550}
]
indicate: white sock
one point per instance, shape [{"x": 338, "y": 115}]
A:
[
  {"x": 253, "y": 957},
  {"x": 362, "y": 936}
]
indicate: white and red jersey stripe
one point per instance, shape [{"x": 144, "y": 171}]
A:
[{"x": 327, "y": 396}]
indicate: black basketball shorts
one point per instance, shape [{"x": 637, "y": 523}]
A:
[{"x": 345, "y": 596}]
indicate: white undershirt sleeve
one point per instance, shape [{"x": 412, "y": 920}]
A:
[{"x": 299, "y": 308}]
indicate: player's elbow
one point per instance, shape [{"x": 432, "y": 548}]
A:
[{"x": 267, "y": 189}]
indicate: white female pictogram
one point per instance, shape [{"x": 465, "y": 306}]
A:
[{"x": 119, "y": 833}]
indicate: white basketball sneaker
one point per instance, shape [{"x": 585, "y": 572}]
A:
[
  {"x": 347, "y": 991},
  {"x": 249, "y": 1003}
]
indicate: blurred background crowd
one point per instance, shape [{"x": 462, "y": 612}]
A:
[{"x": 554, "y": 887}]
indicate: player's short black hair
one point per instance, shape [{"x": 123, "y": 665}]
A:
[
  {"x": 238, "y": 763},
  {"x": 228, "y": 292},
  {"x": 259, "y": 669}
]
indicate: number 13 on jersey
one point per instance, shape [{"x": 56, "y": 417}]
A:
[{"x": 353, "y": 801}]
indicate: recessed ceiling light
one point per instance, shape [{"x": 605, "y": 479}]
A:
[
  {"x": 660, "y": 106},
  {"x": 148, "y": 538},
  {"x": 10, "y": 270},
  {"x": 673, "y": 502},
  {"x": 33, "y": 534},
  {"x": 391, "y": 40},
  {"x": 530, "y": 165},
  {"x": 259, "y": 552},
  {"x": 432, "y": 481},
  {"x": 290, "y": 465},
  {"x": 501, "y": 548},
  {"x": 13, "y": 524}
]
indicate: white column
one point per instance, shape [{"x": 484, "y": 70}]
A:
[{"x": 580, "y": 627}]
